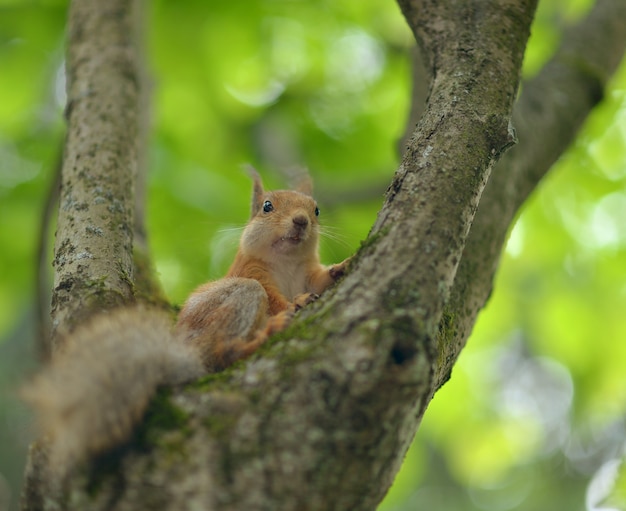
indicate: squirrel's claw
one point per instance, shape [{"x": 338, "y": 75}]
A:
[{"x": 304, "y": 299}]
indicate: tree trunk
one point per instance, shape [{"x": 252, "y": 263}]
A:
[
  {"x": 321, "y": 418},
  {"x": 93, "y": 255}
]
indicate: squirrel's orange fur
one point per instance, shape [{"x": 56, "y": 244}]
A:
[{"x": 275, "y": 271}]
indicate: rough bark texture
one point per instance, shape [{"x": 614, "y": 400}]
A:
[
  {"x": 322, "y": 416},
  {"x": 93, "y": 252}
]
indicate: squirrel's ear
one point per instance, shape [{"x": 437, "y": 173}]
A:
[
  {"x": 257, "y": 190},
  {"x": 302, "y": 182},
  {"x": 305, "y": 185},
  {"x": 299, "y": 180}
]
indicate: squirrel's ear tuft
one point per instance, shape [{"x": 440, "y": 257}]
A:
[
  {"x": 257, "y": 190},
  {"x": 302, "y": 181},
  {"x": 305, "y": 185}
]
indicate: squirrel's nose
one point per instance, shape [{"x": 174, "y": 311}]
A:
[{"x": 300, "y": 221}]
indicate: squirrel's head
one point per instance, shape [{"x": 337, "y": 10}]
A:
[{"x": 283, "y": 222}]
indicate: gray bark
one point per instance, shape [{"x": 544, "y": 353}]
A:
[
  {"x": 322, "y": 417},
  {"x": 93, "y": 251}
]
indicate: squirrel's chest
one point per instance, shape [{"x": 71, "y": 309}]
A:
[{"x": 290, "y": 280}]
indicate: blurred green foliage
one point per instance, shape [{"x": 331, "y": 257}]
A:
[{"x": 536, "y": 405}]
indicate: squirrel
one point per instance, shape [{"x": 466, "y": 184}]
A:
[
  {"x": 99, "y": 385},
  {"x": 276, "y": 271}
]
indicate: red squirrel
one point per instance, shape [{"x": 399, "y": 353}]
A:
[
  {"x": 276, "y": 271},
  {"x": 100, "y": 384}
]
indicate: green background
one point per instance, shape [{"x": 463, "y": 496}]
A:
[{"x": 536, "y": 405}]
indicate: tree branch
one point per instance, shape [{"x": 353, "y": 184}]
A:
[
  {"x": 547, "y": 116},
  {"x": 95, "y": 223},
  {"x": 322, "y": 419}
]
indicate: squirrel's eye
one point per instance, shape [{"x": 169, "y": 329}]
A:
[
  {"x": 317, "y": 211},
  {"x": 267, "y": 206}
]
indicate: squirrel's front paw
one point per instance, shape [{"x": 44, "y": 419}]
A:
[
  {"x": 304, "y": 299},
  {"x": 337, "y": 271},
  {"x": 279, "y": 322}
]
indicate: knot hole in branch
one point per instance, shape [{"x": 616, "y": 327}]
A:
[{"x": 402, "y": 351}]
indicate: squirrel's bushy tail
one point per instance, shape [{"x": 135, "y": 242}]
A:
[{"x": 93, "y": 393}]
